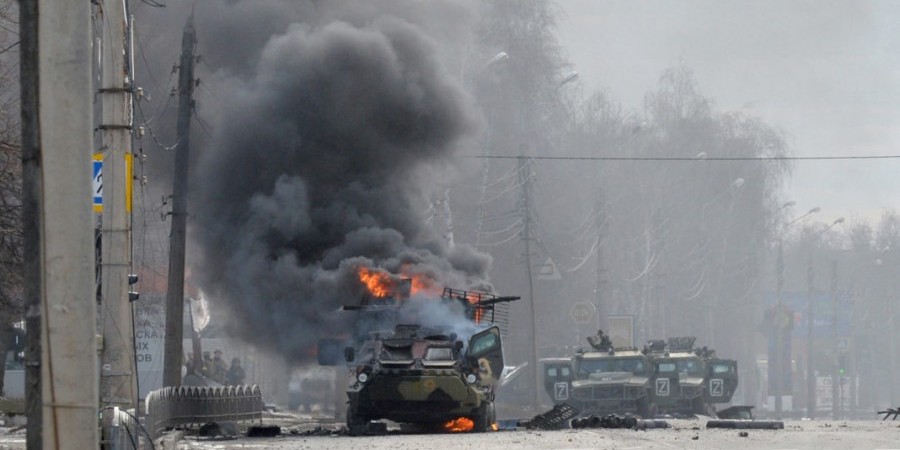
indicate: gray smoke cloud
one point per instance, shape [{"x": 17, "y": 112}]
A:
[{"x": 314, "y": 170}]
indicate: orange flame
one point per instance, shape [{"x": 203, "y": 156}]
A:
[
  {"x": 473, "y": 298},
  {"x": 378, "y": 283},
  {"x": 459, "y": 424},
  {"x": 495, "y": 427},
  {"x": 420, "y": 283}
]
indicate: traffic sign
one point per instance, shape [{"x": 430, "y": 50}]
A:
[
  {"x": 843, "y": 344},
  {"x": 582, "y": 312},
  {"x": 97, "y": 175},
  {"x": 548, "y": 271}
]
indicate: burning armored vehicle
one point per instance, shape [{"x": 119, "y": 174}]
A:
[{"x": 434, "y": 375}]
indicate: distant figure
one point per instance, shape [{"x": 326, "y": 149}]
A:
[
  {"x": 600, "y": 341},
  {"x": 188, "y": 365},
  {"x": 235, "y": 376},
  {"x": 206, "y": 365},
  {"x": 218, "y": 369}
]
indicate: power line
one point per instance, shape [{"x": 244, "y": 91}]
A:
[{"x": 685, "y": 158}]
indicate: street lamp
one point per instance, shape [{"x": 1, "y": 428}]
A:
[
  {"x": 810, "y": 368},
  {"x": 572, "y": 76},
  {"x": 781, "y": 320},
  {"x": 502, "y": 56}
]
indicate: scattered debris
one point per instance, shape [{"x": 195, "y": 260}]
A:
[
  {"x": 617, "y": 421},
  {"x": 890, "y": 412},
  {"x": 218, "y": 429},
  {"x": 318, "y": 431},
  {"x": 263, "y": 431},
  {"x": 736, "y": 412},
  {"x": 555, "y": 419},
  {"x": 747, "y": 424},
  {"x": 696, "y": 437},
  {"x": 743, "y": 434}
]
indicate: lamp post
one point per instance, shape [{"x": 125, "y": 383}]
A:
[
  {"x": 781, "y": 322},
  {"x": 810, "y": 318},
  {"x": 711, "y": 305}
]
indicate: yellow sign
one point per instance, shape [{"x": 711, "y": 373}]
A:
[{"x": 129, "y": 179}]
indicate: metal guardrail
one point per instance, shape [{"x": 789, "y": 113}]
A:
[{"x": 182, "y": 405}]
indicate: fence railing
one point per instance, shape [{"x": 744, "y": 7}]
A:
[{"x": 182, "y": 405}]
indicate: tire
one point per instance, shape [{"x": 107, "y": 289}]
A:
[
  {"x": 643, "y": 408},
  {"x": 699, "y": 407},
  {"x": 357, "y": 425},
  {"x": 484, "y": 418}
]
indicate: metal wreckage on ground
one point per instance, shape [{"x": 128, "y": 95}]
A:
[
  {"x": 427, "y": 376},
  {"x": 665, "y": 377}
]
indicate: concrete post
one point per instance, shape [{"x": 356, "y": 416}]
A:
[
  {"x": 67, "y": 291},
  {"x": 118, "y": 381}
]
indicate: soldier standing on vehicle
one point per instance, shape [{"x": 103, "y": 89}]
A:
[
  {"x": 600, "y": 341},
  {"x": 236, "y": 373}
]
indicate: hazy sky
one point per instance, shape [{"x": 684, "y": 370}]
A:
[{"x": 825, "y": 72}]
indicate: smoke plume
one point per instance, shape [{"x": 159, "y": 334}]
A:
[{"x": 314, "y": 170}]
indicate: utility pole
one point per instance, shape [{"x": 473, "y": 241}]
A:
[
  {"x": 810, "y": 365},
  {"x": 834, "y": 342},
  {"x": 601, "y": 278},
  {"x": 778, "y": 366},
  {"x": 175, "y": 291},
  {"x": 61, "y": 357},
  {"x": 118, "y": 381},
  {"x": 525, "y": 179}
]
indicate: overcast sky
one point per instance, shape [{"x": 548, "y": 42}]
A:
[{"x": 826, "y": 72}]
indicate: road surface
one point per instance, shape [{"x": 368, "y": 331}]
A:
[{"x": 684, "y": 434}]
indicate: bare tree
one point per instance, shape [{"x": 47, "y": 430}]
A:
[{"x": 11, "y": 300}]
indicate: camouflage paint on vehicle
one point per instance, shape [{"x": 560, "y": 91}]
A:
[{"x": 425, "y": 376}]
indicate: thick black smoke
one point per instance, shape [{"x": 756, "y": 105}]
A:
[{"x": 314, "y": 170}]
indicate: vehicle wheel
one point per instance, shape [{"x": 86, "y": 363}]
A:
[
  {"x": 483, "y": 418},
  {"x": 643, "y": 408},
  {"x": 357, "y": 425},
  {"x": 492, "y": 417},
  {"x": 699, "y": 407}
]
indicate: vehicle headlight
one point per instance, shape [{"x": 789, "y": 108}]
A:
[
  {"x": 362, "y": 378},
  {"x": 470, "y": 378}
]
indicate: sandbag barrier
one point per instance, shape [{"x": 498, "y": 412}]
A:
[
  {"x": 746, "y": 424},
  {"x": 183, "y": 405}
]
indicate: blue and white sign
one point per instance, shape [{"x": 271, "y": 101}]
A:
[{"x": 97, "y": 183}]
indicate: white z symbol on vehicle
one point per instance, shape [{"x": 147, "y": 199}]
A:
[
  {"x": 562, "y": 390},
  {"x": 715, "y": 387},
  {"x": 662, "y": 387}
]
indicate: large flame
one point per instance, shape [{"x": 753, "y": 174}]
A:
[
  {"x": 420, "y": 284},
  {"x": 378, "y": 283},
  {"x": 459, "y": 424},
  {"x": 473, "y": 298},
  {"x": 381, "y": 283}
]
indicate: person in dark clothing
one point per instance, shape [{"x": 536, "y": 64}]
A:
[
  {"x": 219, "y": 369},
  {"x": 236, "y": 373}
]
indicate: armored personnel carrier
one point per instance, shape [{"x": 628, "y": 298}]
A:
[
  {"x": 690, "y": 380},
  {"x": 427, "y": 375},
  {"x": 604, "y": 380}
]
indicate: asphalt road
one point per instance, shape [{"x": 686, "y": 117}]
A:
[{"x": 684, "y": 434}]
